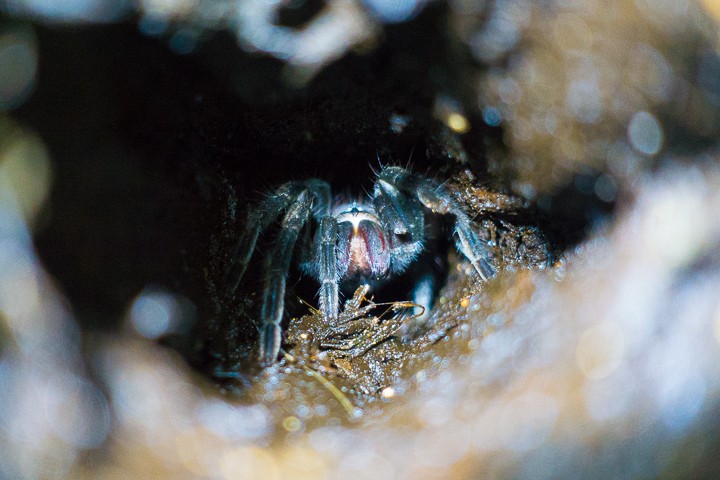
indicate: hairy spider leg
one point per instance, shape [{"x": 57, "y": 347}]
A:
[
  {"x": 320, "y": 190},
  {"x": 258, "y": 220},
  {"x": 438, "y": 200},
  {"x": 422, "y": 296},
  {"x": 273, "y": 304},
  {"x": 472, "y": 247},
  {"x": 321, "y": 207},
  {"x": 300, "y": 199},
  {"x": 468, "y": 242},
  {"x": 388, "y": 211},
  {"x": 328, "y": 270},
  {"x": 402, "y": 215}
]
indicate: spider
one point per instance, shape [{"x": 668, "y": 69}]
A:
[{"x": 365, "y": 241}]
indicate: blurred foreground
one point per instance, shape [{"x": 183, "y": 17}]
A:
[{"x": 603, "y": 366}]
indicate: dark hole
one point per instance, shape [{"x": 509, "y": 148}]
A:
[
  {"x": 297, "y": 13},
  {"x": 403, "y": 237}
]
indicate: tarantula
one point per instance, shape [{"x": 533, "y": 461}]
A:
[{"x": 362, "y": 240}]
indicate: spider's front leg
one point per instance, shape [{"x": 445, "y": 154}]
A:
[
  {"x": 396, "y": 184},
  {"x": 468, "y": 242},
  {"x": 328, "y": 270},
  {"x": 259, "y": 219},
  {"x": 401, "y": 217},
  {"x": 274, "y": 297}
]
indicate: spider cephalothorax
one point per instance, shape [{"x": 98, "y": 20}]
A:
[{"x": 367, "y": 240}]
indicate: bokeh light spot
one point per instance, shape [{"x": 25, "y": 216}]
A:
[
  {"x": 157, "y": 312},
  {"x": 645, "y": 133},
  {"x": 394, "y": 11},
  {"x": 72, "y": 10},
  {"x": 25, "y": 166},
  {"x": 652, "y": 73},
  {"x": 291, "y": 423},
  {"x": 675, "y": 227},
  {"x": 458, "y": 123},
  {"x": 605, "y": 188},
  {"x": 151, "y": 315},
  {"x": 388, "y": 392},
  {"x": 235, "y": 421},
  {"x": 184, "y": 41},
  {"x": 398, "y": 122},
  {"x": 18, "y": 67},
  {"x": 77, "y": 411},
  {"x": 583, "y": 101},
  {"x": 491, "y": 116}
]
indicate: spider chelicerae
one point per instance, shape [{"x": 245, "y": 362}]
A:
[{"x": 364, "y": 241}]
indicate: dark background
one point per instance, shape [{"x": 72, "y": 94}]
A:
[{"x": 157, "y": 155}]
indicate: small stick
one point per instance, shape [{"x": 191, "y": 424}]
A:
[{"x": 327, "y": 384}]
